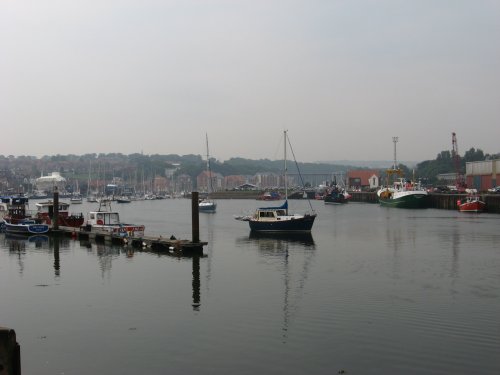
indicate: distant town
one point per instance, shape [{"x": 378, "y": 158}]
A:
[{"x": 174, "y": 175}]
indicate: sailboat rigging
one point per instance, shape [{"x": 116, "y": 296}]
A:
[
  {"x": 279, "y": 219},
  {"x": 207, "y": 204}
]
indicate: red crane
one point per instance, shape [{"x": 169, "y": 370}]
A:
[{"x": 459, "y": 179}]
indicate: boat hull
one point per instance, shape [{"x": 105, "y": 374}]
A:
[
  {"x": 26, "y": 228},
  {"x": 206, "y": 206},
  {"x": 302, "y": 224},
  {"x": 335, "y": 200},
  {"x": 417, "y": 200},
  {"x": 477, "y": 206}
]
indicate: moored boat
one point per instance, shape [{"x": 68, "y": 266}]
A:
[
  {"x": 25, "y": 226},
  {"x": 472, "y": 203},
  {"x": 76, "y": 198},
  {"x": 403, "y": 193},
  {"x": 269, "y": 196},
  {"x": 336, "y": 195},
  {"x": 45, "y": 212},
  {"x": 104, "y": 220},
  {"x": 123, "y": 199},
  {"x": 18, "y": 219},
  {"x": 207, "y": 204},
  {"x": 278, "y": 218}
]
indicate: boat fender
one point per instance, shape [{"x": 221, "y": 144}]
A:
[{"x": 100, "y": 222}]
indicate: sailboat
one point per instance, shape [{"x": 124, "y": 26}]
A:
[
  {"x": 76, "y": 197},
  {"x": 208, "y": 205},
  {"x": 279, "y": 219}
]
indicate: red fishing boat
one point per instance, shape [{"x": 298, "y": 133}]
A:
[
  {"x": 45, "y": 212},
  {"x": 471, "y": 204}
]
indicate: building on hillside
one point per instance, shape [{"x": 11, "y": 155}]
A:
[
  {"x": 363, "y": 179},
  {"x": 482, "y": 175},
  {"x": 203, "y": 179},
  {"x": 183, "y": 184},
  {"x": 47, "y": 183},
  {"x": 233, "y": 181},
  {"x": 267, "y": 180}
]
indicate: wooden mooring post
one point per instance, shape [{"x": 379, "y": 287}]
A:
[
  {"x": 195, "y": 218},
  {"x": 10, "y": 353},
  {"x": 55, "y": 219}
]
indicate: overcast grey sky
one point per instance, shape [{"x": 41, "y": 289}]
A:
[{"x": 344, "y": 77}]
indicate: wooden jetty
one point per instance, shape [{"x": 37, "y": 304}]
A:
[{"x": 85, "y": 233}]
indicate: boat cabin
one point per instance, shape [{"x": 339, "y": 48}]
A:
[
  {"x": 47, "y": 208},
  {"x": 104, "y": 218},
  {"x": 276, "y": 214}
]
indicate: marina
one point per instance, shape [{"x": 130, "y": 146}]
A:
[{"x": 370, "y": 290}]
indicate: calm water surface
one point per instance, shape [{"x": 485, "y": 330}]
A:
[{"x": 373, "y": 291}]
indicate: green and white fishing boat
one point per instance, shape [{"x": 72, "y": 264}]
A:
[{"x": 403, "y": 193}]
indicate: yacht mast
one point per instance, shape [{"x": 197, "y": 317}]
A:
[{"x": 285, "y": 170}]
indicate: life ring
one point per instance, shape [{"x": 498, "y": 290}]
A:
[{"x": 100, "y": 222}]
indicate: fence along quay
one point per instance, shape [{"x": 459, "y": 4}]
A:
[{"x": 193, "y": 246}]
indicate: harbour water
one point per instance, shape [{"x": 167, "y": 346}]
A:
[{"x": 373, "y": 290}]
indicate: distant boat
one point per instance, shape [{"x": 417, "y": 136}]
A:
[
  {"x": 269, "y": 196},
  {"x": 336, "y": 195},
  {"x": 279, "y": 219},
  {"x": 403, "y": 193},
  {"x": 472, "y": 203},
  {"x": 76, "y": 198},
  {"x": 206, "y": 204},
  {"x": 123, "y": 199}
]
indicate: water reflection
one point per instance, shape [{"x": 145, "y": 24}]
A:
[
  {"x": 57, "y": 265},
  {"x": 18, "y": 244},
  {"x": 281, "y": 241},
  {"x": 294, "y": 266}
]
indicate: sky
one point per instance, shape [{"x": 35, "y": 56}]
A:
[{"x": 157, "y": 76}]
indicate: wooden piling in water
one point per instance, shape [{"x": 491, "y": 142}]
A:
[
  {"x": 10, "y": 352},
  {"x": 55, "y": 219},
  {"x": 195, "y": 218}
]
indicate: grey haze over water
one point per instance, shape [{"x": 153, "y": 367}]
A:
[{"x": 343, "y": 77}]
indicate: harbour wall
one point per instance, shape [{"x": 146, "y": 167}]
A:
[{"x": 441, "y": 201}]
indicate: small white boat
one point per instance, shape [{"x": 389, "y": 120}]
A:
[{"x": 104, "y": 220}]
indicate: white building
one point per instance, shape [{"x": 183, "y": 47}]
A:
[{"x": 47, "y": 183}]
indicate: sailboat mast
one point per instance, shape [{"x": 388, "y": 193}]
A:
[
  {"x": 285, "y": 170},
  {"x": 209, "y": 172}
]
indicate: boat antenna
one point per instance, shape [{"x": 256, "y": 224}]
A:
[{"x": 395, "y": 165}]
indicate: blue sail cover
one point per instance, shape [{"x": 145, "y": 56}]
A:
[{"x": 284, "y": 206}]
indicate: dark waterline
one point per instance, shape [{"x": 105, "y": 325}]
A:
[{"x": 373, "y": 290}]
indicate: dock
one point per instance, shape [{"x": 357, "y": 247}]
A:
[
  {"x": 158, "y": 243},
  {"x": 153, "y": 242}
]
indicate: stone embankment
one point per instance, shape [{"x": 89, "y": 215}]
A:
[{"x": 441, "y": 201}]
